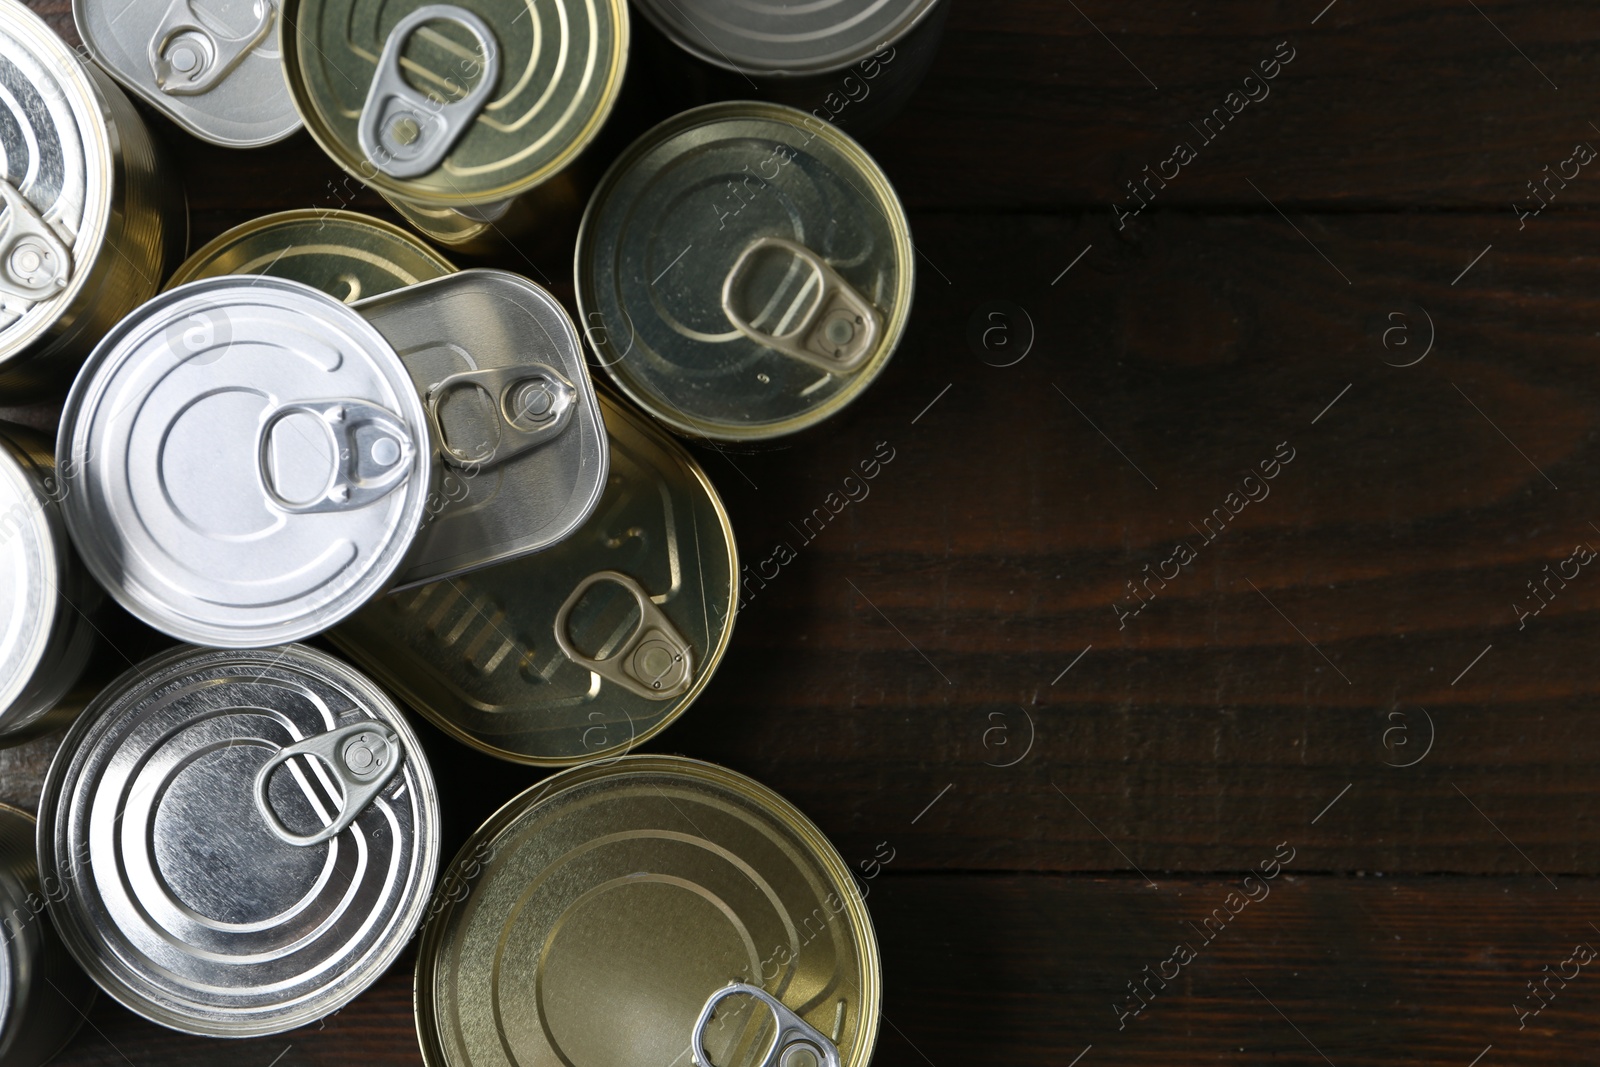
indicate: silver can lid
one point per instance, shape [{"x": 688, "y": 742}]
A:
[
  {"x": 55, "y": 178},
  {"x": 211, "y": 66},
  {"x": 250, "y": 459},
  {"x": 245, "y": 840},
  {"x": 784, "y": 38},
  {"x": 30, "y": 565}
]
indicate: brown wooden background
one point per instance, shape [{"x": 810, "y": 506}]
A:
[{"x": 1359, "y": 617}]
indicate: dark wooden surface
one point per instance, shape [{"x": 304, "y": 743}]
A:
[{"x": 1357, "y": 619}]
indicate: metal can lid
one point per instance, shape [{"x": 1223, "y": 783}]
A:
[
  {"x": 454, "y": 104},
  {"x": 779, "y": 39},
  {"x": 212, "y": 66},
  {"x": 479, "y": 656},
  {"x": 30, "y": 566},
  {"x": 250, "y": 460},
  {"x": 343, "y": 253},
  {"x": 55, "y": 178},
  {"x": 744, "y": 271},
  {"x": 245, "y": 840},
  {"x": 591, "y": 919}
]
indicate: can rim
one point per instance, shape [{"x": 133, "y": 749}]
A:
[
  {"x": 46, "y": 534},
  {"x": 886, "y": 200},
  {"x": 549, "y": 790}
]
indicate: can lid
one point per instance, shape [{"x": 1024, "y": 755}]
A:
[
  {"x": 744, "y": 271},
  {"x": 211, "y": 66},
  {"x": 592, "y": 918},
  {"x": 245, "y": 840},
  {"x": 250, "y": 461},
  {"x": 458, "y": 104},
  {"x": 29, "y": 569},
  {"x": 343, "y": 253},
  {"x": 55, "y": 177},
  {"x": 777, "y": 39}
]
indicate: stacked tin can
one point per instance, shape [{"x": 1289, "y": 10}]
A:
[{"x": 321, "y": 428}]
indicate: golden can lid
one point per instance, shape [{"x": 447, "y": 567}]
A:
[
  {"x": 588, "y": 648},
  {"x": 623, "y": 911},
  {"x": 744, "y": 271},
  {"x": 345, "y": 254},
  {"x": 454, "y": 104}
]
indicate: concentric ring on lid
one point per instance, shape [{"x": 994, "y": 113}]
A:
[
  {"x": 251, "y": 461},
  {"x": 784, "y": 38},
  {"x": 29, "y": 569}
]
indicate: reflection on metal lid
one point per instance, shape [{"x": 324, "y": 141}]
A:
[{"x": 810, "y": 38}]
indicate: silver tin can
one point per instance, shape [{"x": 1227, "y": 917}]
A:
[
  {"x": 212, "y": 67},
  {"x": 246, "y": 840},
  {"x": 44, "y": 995}
]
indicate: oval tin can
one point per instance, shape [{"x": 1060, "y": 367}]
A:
[
  {"x": 247, "y": 840},
  {"x": 597, "y": 920}
]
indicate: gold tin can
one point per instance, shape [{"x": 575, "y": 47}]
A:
[
  {"x": 343, "y": 253},
  {"x": 592, "y": 646},
  {"x": 624, "y": 911},
  {"x": 457, "y": 113},
  {"x": 91, "y": 222}
]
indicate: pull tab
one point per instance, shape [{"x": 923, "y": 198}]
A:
[
  {"x": 34, "y": 263},
  {"x": 404, "y": 133},
  {"x": 363, "y": 756},
  {"x": 825, "y": 323},
  {"x": 189, "y": 58},
  {"x": 798, "y": 1044},
  {"x": 655, "y": 661},
  {"x": 534, "y": 403},
  {"x": 369, "y": 449}
]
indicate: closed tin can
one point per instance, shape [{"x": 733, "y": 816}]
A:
[
  {"x": 44, "y": 996},
  {"x": 850, "y": 62},
  {"x": 458, "y": 113},
  {"x": 211, "y": 66},
  {"x": 585, "y": 650},
  {"x": 247, "y": 840},
  {"x": 597, "y": 919},
  {"x": 744, "y": 271},
  {"x": 87, "y": 224}
]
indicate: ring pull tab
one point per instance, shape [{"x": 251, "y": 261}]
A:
[
  {"x": 534, "y": 404},
  {"x": 363, "y": 756},
  {"x": 404, "y": 133},
  {"x": 798, "y": 1043},
  {"x": 188, "y": 57},
  {"x": 371, "y": 454},
  {"x": 34, "y": 263},
  {"x": 783, "y": 295},
  {"x": 654, "y": 661}
]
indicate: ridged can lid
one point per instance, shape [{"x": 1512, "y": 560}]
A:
[
  {"x": 30, "y": 567},
  {"x": 785, "y": 38}
]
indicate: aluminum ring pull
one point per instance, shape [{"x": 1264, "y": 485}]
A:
[
  {"x": 363, "y": 757},
  {"x": 34, "y": 262},
  {"x": 405, "y": 133},
  {"x": 370, "y": 450},
  {"x": 798, "y": 1043},
  {"x": 783, "y": 295},
  {"x": 534, "y": 404},
  {"x": 188, "y": 57},
  {"x": 654, "y": 661}
]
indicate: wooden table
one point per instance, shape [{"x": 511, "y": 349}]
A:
[{"x": 1341, "y": 678}]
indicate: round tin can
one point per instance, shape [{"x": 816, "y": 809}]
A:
[
  {"x": 744, "y": 271},
  {"x": 247, "y": 840},
  {"x": 211, "y": 66},
  {"x": 89, "y": 222},
  {"x": 343, "y": 253},
  {"x": 547, "y": 660},
  {"x": 456, "y": 112},
  {"x": 44, "y": 996},
  {"x": 597, "y": 920}
]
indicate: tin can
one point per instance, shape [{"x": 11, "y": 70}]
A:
[
  {"x": 247, "y": 840},
  {"x": 854, "y": 63},
  {"x": 744, "y": 271},
  {"x": 588, "y": 649},
  {"x": 343, "y": 253},
  {"x": 598, "y": 918},
  {"x": 495, "y": 101},
  {"x": 90, "y": 223},
  {"x": 214, "y": 68},
  {"x": 44, "y": 996}
]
